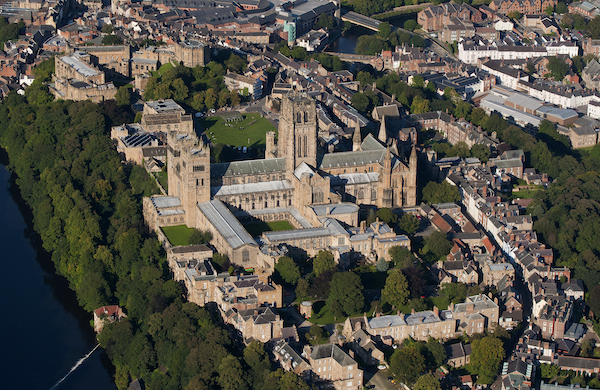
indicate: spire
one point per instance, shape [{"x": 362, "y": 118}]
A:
[
  {"x": 356, "y": 138},
  {"x": 395, "y": 146},
  {"x": 383, "y": 131},
  {"x": 413, "y": 157}
]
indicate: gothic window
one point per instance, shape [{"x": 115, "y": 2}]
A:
[
  {"x": 298, "y": 118},
  {"x": 277, "y": 203},
  {"x": 266, "y": 205},
  {"x": 305, "y": 116},
  {"x": 245, "y": 256},
  {"x": 373, "y": 194},
  {"x": 299, "y": 146},
  {"x": 305, "y": 146},
  {"x": 361, "y": 194},
  {"x": 198, "y": 168},
  {"x": 317, "y": 196}
]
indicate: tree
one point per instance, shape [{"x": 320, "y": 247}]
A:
[
  {"x": 427, "y": 382},
  {"x": 345, "y": 295},
  {"x": 558, "y": 68},
  {"x": 317, "y": 334},
  {"x": 418, "y": 81},
  {"x": 437, "y": 245},
  {"x": 386, "y": 215},
  {"x": 434, "y": 193},
  {"x": 395, "y": 292},
  {"x": 112, "y": 39},
  {"x": 200, "y": 237},
  {"x": 435, "y": 353},
  {"x": 455, "y": 292},
  {"x": 549, "y": 10},
  {"x": 370, "y": 45},
  {"x": 410, "y": 25},
  {"x": 409, "y": 223},
  {"x": 419, "y": 105},
  {"x": 594, "y": 300},
  {"x": 514, "y": 15},
  {"x": 361, "y": 102},
  {"x": 108, "y": 28},
  {"x": 401, "y": 256},
  {"x": 323, "y": 262},
  {"x": 561, "y": 8},
  {"x": 385, "y": 29},
  {"x": 486, "y": 356},
  {"x": 481, "y": 152},
  {"x": 302, "y": 289},
  {"x": 382, "y": 265},
  {"x": 231, "y": 374},
  {"x": 325, "y": 21},
  {"x": 416, "y": 280},
  {"x": 288, "y": 270},
  {"x": 407, "y": 364}
]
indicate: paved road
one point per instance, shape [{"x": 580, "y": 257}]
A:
[{"x": 378, "y": 379}]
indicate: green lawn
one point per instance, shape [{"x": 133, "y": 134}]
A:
[
  {"x": 256, "y": 229},
  {"x": 252, "y": 135},
  {"x": 178, "y": 235},
  {"x": 527, "y": 194},
  {"x": 162, "y": 179}
]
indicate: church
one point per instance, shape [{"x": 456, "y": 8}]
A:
[{"x": 316, "y": 191}]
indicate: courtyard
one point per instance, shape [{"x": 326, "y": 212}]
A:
[{"x": 238, "y": 130}]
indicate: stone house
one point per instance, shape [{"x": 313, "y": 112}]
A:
[
  {"x": 107, "y": 314},
  {"x": 330, "y": 363}
]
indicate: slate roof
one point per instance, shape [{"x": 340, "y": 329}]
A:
[
  {"x": 332, "y": 351},
  {"x": 226, "y": 223},
  {"x": 247, "y": 167}
]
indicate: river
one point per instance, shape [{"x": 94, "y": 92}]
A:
[
  {"x": 346, "y": 43},
  {"x": 43, "y": 331}
]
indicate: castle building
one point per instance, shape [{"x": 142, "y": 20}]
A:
[{"x": 318, "y": 193}]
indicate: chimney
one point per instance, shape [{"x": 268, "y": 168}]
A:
[
  {"x": 398, "y": 313},
  {"x": 351, "y": 353},
  {"x": 436, "y": 311},
  {"x": 363, "y": 226},
  {"x": 328, "y": 210},
  {"x": 378, "y": 314},
  {"x": 412, "y": 311},
  {"x": 470, "y": 307}
]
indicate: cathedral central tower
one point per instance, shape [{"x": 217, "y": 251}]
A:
[{"x": 297, "y": 141}]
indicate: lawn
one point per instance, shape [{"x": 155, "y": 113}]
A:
[
  {"x": 256, "y": 229},
  {"x": 162, "y": 179},
  {"x": 248, "y": 132},
  {"x": 178, "y": 235},
  {"x": 162, "y": 69}
]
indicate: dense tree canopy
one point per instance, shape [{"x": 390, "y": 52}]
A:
[
  {"x": 395, "y": 292},
  {"x": 486, "y": 358},
  {"x": 288, "y": 270},
  {"x": 323, "y": 262},
  {"x": 345, "y": 295}
]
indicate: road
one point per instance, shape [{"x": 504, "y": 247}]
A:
[
  {"x": 404, "y": 8},
  {"x": 378, "y": 379}
]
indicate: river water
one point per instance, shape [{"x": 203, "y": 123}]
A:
[
  {"x": 43, "y": 331},
  {"x": 347, "y": 43}
]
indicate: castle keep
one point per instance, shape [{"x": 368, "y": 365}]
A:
[{"x": 318, "y": 193}]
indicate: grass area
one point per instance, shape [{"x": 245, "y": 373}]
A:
[
  {"x": 162, "y": 179},
  {"x": 178, "y": 235},
  {"x": 322, "y": 314},
  {"x": 527, "y": 194},
  {"x": 241, "y": 133},
  {"x": 440, "y": 302},
  {"x": 256, "y": 229}
]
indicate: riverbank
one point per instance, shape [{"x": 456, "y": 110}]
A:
[{"x": 45, "y": 331}]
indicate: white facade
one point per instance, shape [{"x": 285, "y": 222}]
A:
[
  {"x": 472, "y": 54},
  {"x": 504, "y": 25},
  {"x": 594, "y": 109},
  {"x": 568, "y": 48}
]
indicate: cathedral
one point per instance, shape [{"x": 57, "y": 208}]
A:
[{"x": 316, "y": 191}]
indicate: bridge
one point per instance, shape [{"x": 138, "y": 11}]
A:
[
  {"x": 361, "y": 20},
  {"x": 375, "y": 61}
]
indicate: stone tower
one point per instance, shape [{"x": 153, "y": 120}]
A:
[
  {"x": 356, "y": 137},
  {"x": 298, "y": 131},
  {"x": 270, "y": 147},
  {"x": 188, "y": 164}
]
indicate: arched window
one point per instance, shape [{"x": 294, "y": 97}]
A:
[
  {"x": 298, "y": 118},
  {"x": 361, "y": 194},
  {"x": 299, "y": 146},
  {"x": 317, "y": 196},
  {"x": 373, "y": 194},
  {"x": 305, "y": 116},
  {"x": 245, "y": 256}
]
